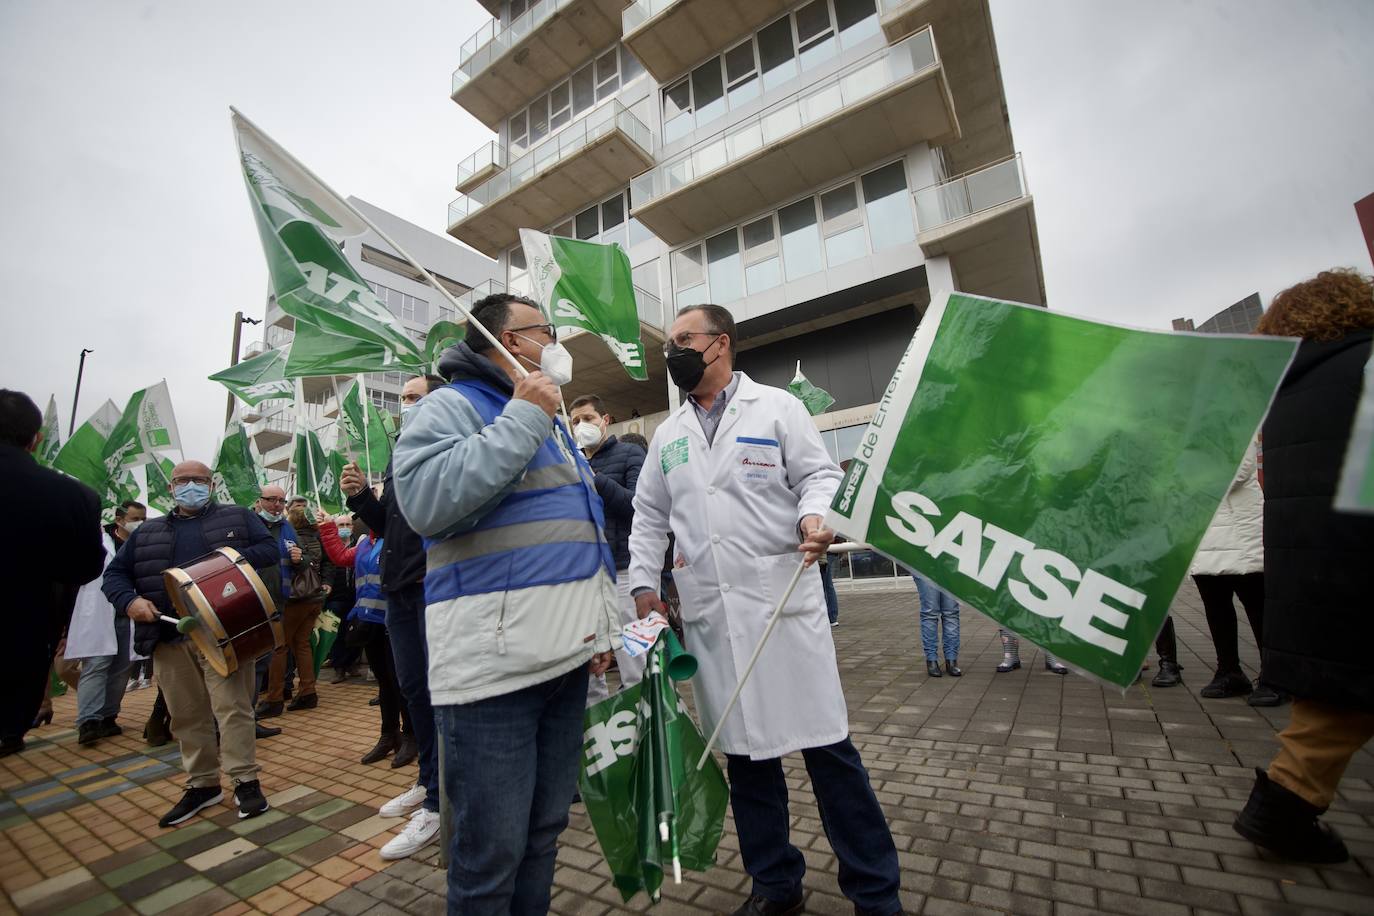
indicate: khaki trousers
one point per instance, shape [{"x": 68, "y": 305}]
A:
[
  {"x": 1317, "y": 746},
  {"x": 197, "y": 697},
  {"x": 297, "y": 621}
]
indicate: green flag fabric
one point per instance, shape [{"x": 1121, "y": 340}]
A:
[
  {"x": 441, "y": 335},
  {"x": 83, "y": 455},
  {"x": 317, "y": 475},
  {"x": 52, "y": 435},
  {"x": 639, "y": 781},
  {"x": 158, "y": 474},
  {"x": 1355, "y": 493},
  {"x": 258, "y": 378},
  {"x": 120, "y": 487},
  {"x": 589, "y": 286},
  {"x": 147, "y": 426},
  {"x": 817, "y": 400},
  {"x": 235, "y": 480},
  {"x": 341, "y": 325},
  {"x": 1057, "y": 473},
  {"x": 363, "y": 428}
]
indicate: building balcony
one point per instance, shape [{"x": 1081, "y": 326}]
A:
[
  {"x": 961, "y": 213},
  {"x": 273, "y": 431},
  {"x": 501, "y": 68},
  {"x": 669, "y": 36},
  {"x": 585, "y": 161},
  {"x": 480, "y": 167},
  {"x": 899, "y": 18},
  {"x": 279, "y": 458},
  {"x": 873, "y": 109}
]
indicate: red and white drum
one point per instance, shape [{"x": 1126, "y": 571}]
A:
[{"x": 237, "y": 622}]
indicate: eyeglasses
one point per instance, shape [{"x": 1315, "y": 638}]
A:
[
  {"x": 178, "y": 481},
  {"x": 546, "y": 328},
  {"x": 272, "y": 499},
  {"x": 684, "y": 339}
]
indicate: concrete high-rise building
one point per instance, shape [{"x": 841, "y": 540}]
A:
[
  {"x": 817, "y": 167},
  {"x": 413, "y": 301},
  {"x": 1241, "y": 318}
]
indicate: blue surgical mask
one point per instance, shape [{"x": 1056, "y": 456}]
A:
[
  {"x": 272, "y": 517},
  {"x": 191, "y": 495},
  {"x": 345, "y": 533}
]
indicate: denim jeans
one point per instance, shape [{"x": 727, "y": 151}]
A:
[
  {"x": 405, "y": 624},
  {"x": 850, "y": 814},
  {"x": 510, "y": 771},
  {"x": 937, "y": 607},
  {"x": 832, "y": 601},
  {"x": 104, "y": 678}
]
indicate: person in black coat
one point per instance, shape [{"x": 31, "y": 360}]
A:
[
  {"x": 57, "y": 549},
  {"x": 1318, "y": 580}
]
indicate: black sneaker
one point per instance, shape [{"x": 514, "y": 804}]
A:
[
  {"x": 88, "y": 733},
  {"x": 193, "y": 801},
  {"x": 109, "y": 728},
  {"x": 1264, "y": 695},
  {"x": 1227, "y": 684},
  {"x": 308, "y": 701},
  {"x": 250, "y": 799}
]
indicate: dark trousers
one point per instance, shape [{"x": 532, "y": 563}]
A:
[
  {"x": 343, "y": 656},
  {"x": 395, "y": 712},
  {"x": 405, "y": 624},
  {"x": 1166, "y": 643},
  {"x": 24, "y": 680},
  {"x": 853, "y": 821},
  {"x": 1216, "y": 592}
]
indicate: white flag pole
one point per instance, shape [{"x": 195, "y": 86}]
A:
[
  {"x": 367, "y": 443},
  {"x": 305, "y": 438},
  {"x": 753, "y": 659},
  {"x": 429, "y": 278}
]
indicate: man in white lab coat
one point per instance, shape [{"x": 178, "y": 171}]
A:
[{"x": 740, "y": 475}]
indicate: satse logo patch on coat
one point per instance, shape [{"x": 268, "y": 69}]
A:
[{"x": 673, "y": 454}]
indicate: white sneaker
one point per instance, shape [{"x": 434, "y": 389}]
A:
[
  {"x": 404, "y": 803},
  {"x": 419, "y": 833}
]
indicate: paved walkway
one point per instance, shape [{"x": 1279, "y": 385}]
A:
[{"x": 1024, "y": 793}]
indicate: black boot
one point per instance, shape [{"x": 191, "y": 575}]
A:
[
  {"x": 762, "y": 906},
  {"x": 407, "y": 752},
  {"x": 1264, "y": 695},
  {"x": 385, "y": 745},
  {"x": 158, "y": 731},
  {"x": 1286, "y": 824},
  {"x": 952, "y": 667},
  {"x": 933, "y": 668},
  {"x": 1168, "y": 675},
  {"x": 1232, "y": 683},
  {"x": 89, "y": 732}
]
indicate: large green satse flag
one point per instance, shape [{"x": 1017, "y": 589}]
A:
[
  {"x": 158, "y": 474},
  {"x": 52, "y": 435},
  {"x": 341, "y": 325},
  {"x": 589, "y": 286},
  {"x": 258, "y": 378},
  {"x": 147, "y": 426},
  {"x": 817, "y": 400},
  {"x": 1356, "y": 490},
  {"x": 648, "y": 803},
  {"x": 236, "y": 479},
  {"x": 317, "y": 475},
  {"x": 83, "y": 455},
  {"x": 365, "y": 430},
  {"x": 1057, "y": 473}
]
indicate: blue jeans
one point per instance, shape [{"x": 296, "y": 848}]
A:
[
  {"x": 832, "y": 601},
  {"x": 850, "y": 814},
  {"x": 103, "y": 679},
  {"x": 510, "y": 771},
  {"x": 937, "y": 606},
  {"x": 405, "y": 624}
]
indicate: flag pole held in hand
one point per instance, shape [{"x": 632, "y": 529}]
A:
[{"x": 753, "y": 659}]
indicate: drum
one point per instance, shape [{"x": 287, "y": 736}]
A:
[{"x": 237, "y": 623}]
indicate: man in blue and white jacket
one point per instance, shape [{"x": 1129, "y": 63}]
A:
[{"x": 520, "y": 601}]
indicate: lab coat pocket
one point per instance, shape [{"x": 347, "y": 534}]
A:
[
  {"x": 691, "y": 599},
  {"x": 775, "y": 574}
]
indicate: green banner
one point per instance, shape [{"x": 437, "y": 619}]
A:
[
  {"x": 341, "y": 325},
  {"x": 317, "y": 473},
  {"x": 650, "y": 807},
  {"x": 258, "y": 378},
  {"x": 158, "y": 474},
  {"x": 83, "y": 455},
  {"x": 442, "y": 335},
  {"x": 52, "y": 435},
  {"x": 817, "y": 400},
  {"x": 1356, "y": 490},
  {"x": 1057, "y": 473},
  {"x": 589, "y": 286},
  {"x": 236, "y": 479},
  {"x": 147, "y": 426},
  {"x": 365, "y": 429}
]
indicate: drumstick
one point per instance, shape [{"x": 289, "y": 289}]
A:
[{"x": 183, "y": 624}]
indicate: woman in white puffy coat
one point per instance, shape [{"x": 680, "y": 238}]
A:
[{"x": 1230, "y": 564}]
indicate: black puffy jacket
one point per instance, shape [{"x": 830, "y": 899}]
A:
[{"x": 617, "y": 466}]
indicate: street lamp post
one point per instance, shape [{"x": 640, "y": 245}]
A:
[
  {"x": 80, "y": 368},
  {"x": 239, "y": 322}
]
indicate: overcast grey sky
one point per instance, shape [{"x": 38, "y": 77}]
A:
[{"x": 1182, "y": 155}]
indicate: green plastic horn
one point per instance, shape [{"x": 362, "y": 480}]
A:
[{"x": 680, "y": 664}]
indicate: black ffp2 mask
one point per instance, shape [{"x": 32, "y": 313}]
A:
[{"x": 686, "y": 366}]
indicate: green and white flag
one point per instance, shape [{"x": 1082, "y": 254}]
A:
[
  {"x": 83, "y": 455},
  {"x": 317, "y": 476},
  {"x": 235, "y": 480},
  {"x": 258, "y": 378},
  {"x": 158, "y": 475},
  {"x": 364, "y": 428},
  {"x": 341, "y": 325},
  {"x": 1057, "y": 473},
  {"x": 52, "y": 435},
  {"x": 1355, "y": 493},
  {"x": 589, "y": 286},
  {"x": 817, "y": 400},
  {"x": 119, "y": 487},
  {"x": 146, "y": 426},
  {"x": 440, "y": 336}
]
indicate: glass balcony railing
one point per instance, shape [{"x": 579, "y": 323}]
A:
[
  {"x": 971, "y": 193},
  {"x": 491, "y": 41},
  {"x": 776, "y": 123},
  {"x": 641, "y": 11},
  {"x": 281, "y": 423},
  {"x": 491, "y": 156},
  {"x": 561, "y": 147}
]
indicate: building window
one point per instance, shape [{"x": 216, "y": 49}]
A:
[
  {"x": 762, "y": 266},
  {"x": 567, "y": 101},
  {"x": 801, "y": 241},
  {"x": 777, "y": 56},
  {"x": 723, "y": 268},
  {"x": 386, "y": 400},
  {"x": 842, "y": 225},
  {"x": 689, "y": 285},
  {"x": 741, "y": 74},
  {"x": 887, "y": 207},
  {"x": 403, "y": 305},
  {"x": 445, "y": 313}
]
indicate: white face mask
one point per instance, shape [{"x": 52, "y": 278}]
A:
[
  {"x": 131, "y": 527},
  {"x": 587, "y": 434},
  {"x": 555, "y": 362}
]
